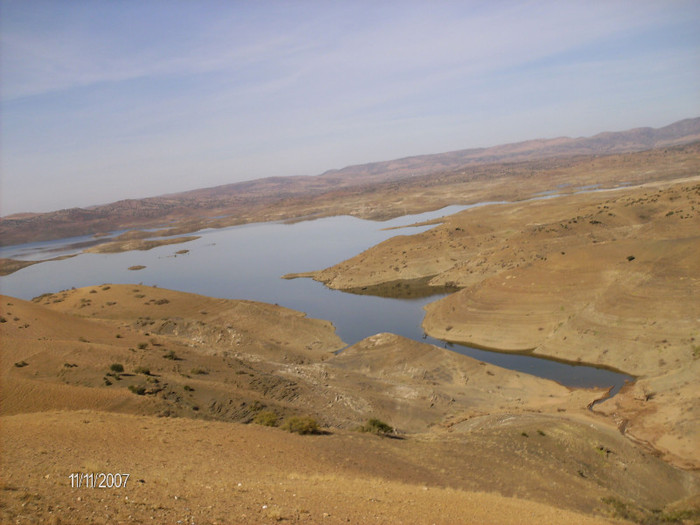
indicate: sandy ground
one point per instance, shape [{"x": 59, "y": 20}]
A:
[
  {"x": 473, "y": 444},
  {"x": 375, "y": 199},
  {"x": 605, "y": 278},
  {"x": 205, "y": 472},
  {"x": 126, "y": 245}
]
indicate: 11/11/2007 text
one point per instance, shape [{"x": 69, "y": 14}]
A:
[{"x": 98, "y": 480}]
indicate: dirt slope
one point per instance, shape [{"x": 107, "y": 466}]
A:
[
  {"x": 207, "y": 472},
  {"x": 475, "y": 443},
  {"x": 607, "y": 278}
]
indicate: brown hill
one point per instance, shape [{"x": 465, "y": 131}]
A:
[
  {"x": 638, "y": 139},
  {"x": 606, "y": 278},
  {"x": 475, "y": 443},
  {"x": 251, "y": 200}
]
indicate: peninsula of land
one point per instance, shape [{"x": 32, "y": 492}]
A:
[{"x": 582, "y": 250}]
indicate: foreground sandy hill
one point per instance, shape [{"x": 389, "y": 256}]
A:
[
  {"x": 475, "y": 443},
  {"x": 607, "y": 278},
  {"x": 208, "y": 472},
  {"x": 217, "y": 358}
]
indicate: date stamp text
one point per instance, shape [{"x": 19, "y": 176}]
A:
[{"x": 98, "y": 480}]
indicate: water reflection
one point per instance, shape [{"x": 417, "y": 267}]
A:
[{"x": 246, "y": 262}]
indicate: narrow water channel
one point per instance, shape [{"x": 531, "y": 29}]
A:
[{"x": 246, "y": 262}]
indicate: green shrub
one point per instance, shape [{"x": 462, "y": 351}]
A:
[
  {"x": 142, "y": 370},
  {"x": 376, "y": 426},
  {"x": 138, "y": 390},
  {"x": 266, "y": 418},
  {"x": 198, "y": 371},
  {"x": 633, "y": 513},
  {"x": 117, "y": 367},
  {"x": 171, "y": 355},
  {"x": 301, "y": 425},
  {"x": 188, "y": 388},
  {"x": 142, "y": 346}
]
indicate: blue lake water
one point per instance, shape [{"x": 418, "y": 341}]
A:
[{"x": 246, "y": 262}]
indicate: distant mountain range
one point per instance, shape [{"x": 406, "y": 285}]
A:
[
  {"x": 237, "y": 197},
  {"x": 638, "y": 139}
]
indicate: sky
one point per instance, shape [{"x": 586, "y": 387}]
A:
[{"x": 105, "y": 100}]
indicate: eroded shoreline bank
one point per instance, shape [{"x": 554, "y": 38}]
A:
[{"x": 607, "y": 279}]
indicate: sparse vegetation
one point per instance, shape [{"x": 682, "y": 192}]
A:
[
  {"x": 680, "y": 516},
  {"x": 266, "y": 418},
  {"x": 571, "y": 461},
  {"x": 138, "y": 390},
  {"x": 117, "y": 368},
  {"x": 376, "y": 426},
  {"x": 630, "y": 512},
  {"x": 171, "y": 355},
  {"x": 142, "y": 346},
  {"x": 301, "y": 425}
]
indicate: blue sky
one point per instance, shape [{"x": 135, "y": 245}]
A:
[{"x": 104, "y": 100}]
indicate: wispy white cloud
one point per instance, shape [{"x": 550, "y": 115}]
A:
[{"x": 152, "y": 93}]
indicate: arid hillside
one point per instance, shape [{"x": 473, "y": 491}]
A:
[
  {"x": 234, "y": 411},
  {"x": 184, "y": 392},
  {"x": 607, "y": 278},
  {"x": 337, "y": 191},
  {"x": 381, "y": 201}
]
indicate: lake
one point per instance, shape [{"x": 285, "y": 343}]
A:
[{"x": 247, "y": 262}]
